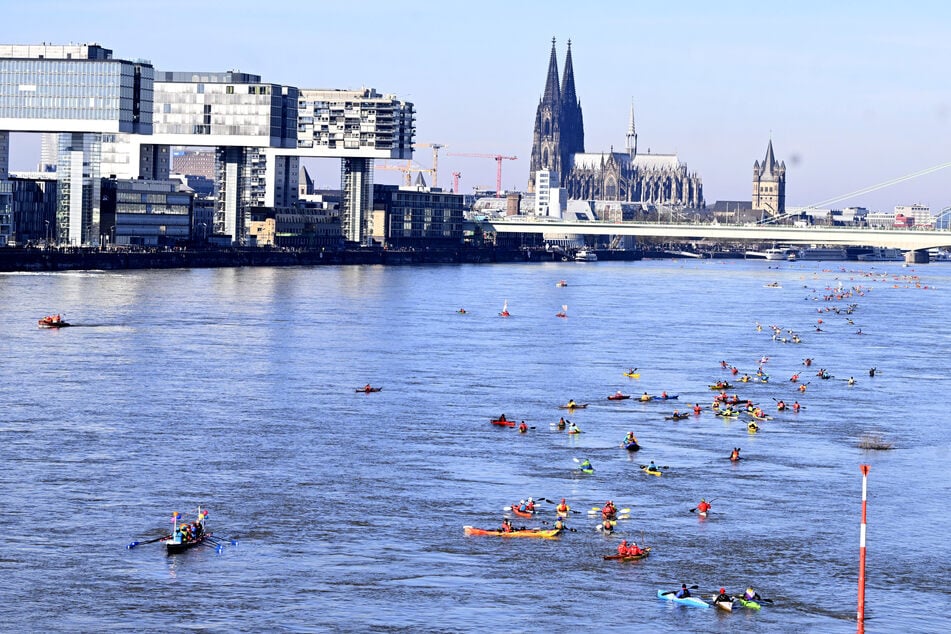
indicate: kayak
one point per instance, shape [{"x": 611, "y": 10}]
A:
[
  {"x": 520, "y": 512},
  {"x": 677, "y": 417},
  {"x": 702, "y": 513},
  {"x": 525, "y": 532},
  {"x": 586, "y": 469},
  {"x": 618, "y": 397},
  {"x": 633, "y": 375},
  {"x": 647, "y": 551},
  {"x": 574, "y": 431},
  {"x": 752, "y": 427},
  {"x": 503, "y": 423},
  {"x": 652, "y": 472},
  {"x": 694, "y": 602},
  {"x": 575, "y": 406},
  {"x": 720, "y": 386},
  {"x": 368, "y": 390},
  {"x": 750, "y": 605},
  {"x": 724, "y": 605},
  {"x": 669, "y": 397}
]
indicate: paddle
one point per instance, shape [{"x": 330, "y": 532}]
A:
[
  {"x": 644, "y": 466},
  {"x": 693, "y": 587},
  {"x": 564, "y": 528},
  {"x": 148, "y": 541}
]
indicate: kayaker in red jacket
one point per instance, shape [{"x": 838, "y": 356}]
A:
[
  {"x": 704, "y": 506},
  {"x": 735, "y": 455},
  {"x": 633, "y": 550},
  {"x": 506, "y": 525}
]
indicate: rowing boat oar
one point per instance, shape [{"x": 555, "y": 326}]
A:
[
  {"x": 222, "y": 540},
  {"x": 148, "y": 541}
]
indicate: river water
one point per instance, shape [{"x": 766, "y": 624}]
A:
[{"x": 235, "y": 389}]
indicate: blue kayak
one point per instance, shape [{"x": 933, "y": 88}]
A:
[{"x": 694, "y": 602}]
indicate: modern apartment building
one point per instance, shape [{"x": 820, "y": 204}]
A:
[
  {"x": 81, "y": 90},
  {"x": 119, "y": 119}
]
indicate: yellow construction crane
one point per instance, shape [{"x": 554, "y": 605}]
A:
[{"x": 435, "y": 170}]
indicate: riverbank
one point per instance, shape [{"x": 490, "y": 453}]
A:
[{"x": 76, "y": 259}]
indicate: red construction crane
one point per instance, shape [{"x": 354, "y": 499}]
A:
[
  {"x": 455, "y": 182},
  {"x": 498, "y": 170}
]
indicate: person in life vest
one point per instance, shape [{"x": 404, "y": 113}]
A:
[
  {"x": 652, "y": 467},
  {"x": 561, "y": 423},
  {"x": 502, "y": 417},
  {"x": 609, "y": 511},
  {"x": 645, "y": 396},
  {"x": 663, "y": 394},
  {"x": 523, "y": 427},
  {"x": 586, "y": 465},
  {"x": 704, "y": 506},
  {"x": 630, "y": 438},
  {"x": 563, "y": 507},
  {"x": 851, "y": 380},
  {"x": 723, "y": 597},
  {"x": 622, "y": 548},
  {"x": 697, "y": 409},
  {"x": 796, "y": 406},
  {"x": 802, "y": 387},
  {"x": 751, "y": 594},
  {"x": 573, "y": 429},
  {"x": 521, "y": 506},
  {"x": 633, "y": 550},
  {"x": 683, "y": 593},
  {"x": 780, "y": 405},
  {"x": 607, "y": 526},
  {"x": 735, "y": 455},
  {"x": 559, "y": 525},
  {"x": 571, "y": 402},
  {"x": 507, "y": 525},
  {"x": 530, "y": 505}
]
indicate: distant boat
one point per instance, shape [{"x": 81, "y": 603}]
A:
[
  {"x": 505, "y": 309},
  {"x": 882, "y": 254},
  {"x": 564, "y": 311},
  {"x": 823, "y": 253},
  {"x": 584, "y": 255}
]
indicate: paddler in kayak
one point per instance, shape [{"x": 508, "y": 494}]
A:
[
  {"x": 607, "y": 527},
  {"x": 652, "y": 467},
  {"x": 683, "y": 593},
  {"x": 561, "y": 423},
  {"x": 697, "y": 409},
  {"x": 723, "y": 597},
  {"x": 562, "y": 508},
  {"x": 735, "y": 455},
  {"x": 506, "y": 525},
  {"x": 586, "y": 465},
  {"x": 645, "y": 396},
  {"x": 751, "y": 594},
  {"x": 630, "y": 438},
  {"x": 573, "y": 429},
  {"x": 704, "y": 506},
  {"x": 522, "y": 428},
  {"x": 609, "y": 511},
  {"x": 796, "y": 406}
]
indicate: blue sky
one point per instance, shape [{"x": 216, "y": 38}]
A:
[{"x": 852, "y": 93}]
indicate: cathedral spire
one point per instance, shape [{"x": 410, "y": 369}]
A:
[
  {"x": 632, "y": 134},
  {"x": 568, "y": 80},
  {"x": 552, "y": 93}
]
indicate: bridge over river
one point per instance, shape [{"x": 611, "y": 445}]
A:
[{"x": 913, "y": 240}]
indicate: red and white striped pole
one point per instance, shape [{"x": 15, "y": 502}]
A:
[{"x": 861, "y": 612}]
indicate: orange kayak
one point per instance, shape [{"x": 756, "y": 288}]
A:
[{"x": 528, "y": 532}]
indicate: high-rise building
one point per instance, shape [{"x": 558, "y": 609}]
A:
[
  {"x": 83, "y": 91},
  {"x": 558, "y": 147}
]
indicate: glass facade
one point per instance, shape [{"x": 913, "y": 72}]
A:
[
  {"x": 351, "y": 120},
  {"x": 109, "y": 95}
]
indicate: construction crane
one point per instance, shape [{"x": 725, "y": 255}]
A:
[
  {"x": 455, "y": 182},
  {"x": 498, "y": 170},
  {"x": 407, "y": 170},
  {"x": 435, "y": 146}
]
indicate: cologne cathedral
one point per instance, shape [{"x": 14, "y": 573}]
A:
[{"x": 558, "y": 146}]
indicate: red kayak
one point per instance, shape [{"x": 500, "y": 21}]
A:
[
  {"x": 618, "y": 397},
  {"x": 503, "y": 423},
  {"x": 520, "y": 512}
]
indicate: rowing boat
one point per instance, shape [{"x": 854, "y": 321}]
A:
[
  {"x": 694, "y": 602},
  {"x": 523, "y": 532},
  {"x": 625, "y": 558}
]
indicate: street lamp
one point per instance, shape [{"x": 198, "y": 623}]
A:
[
  {"x": 204, "y": 228},
  {"x": 47, "y": 232},
  {"x": 112, "y": 231}
]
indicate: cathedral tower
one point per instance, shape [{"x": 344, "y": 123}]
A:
[
  {"x": 559, "y": 125},
  {"x": 769, "y": 185}
]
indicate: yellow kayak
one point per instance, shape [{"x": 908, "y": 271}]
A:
[
  {"x": 633, "y": 375},
  {"x": 652, "y": 472}
]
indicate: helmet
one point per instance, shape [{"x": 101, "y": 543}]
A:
[
  {"x": 703, "y": 499},
  {"x": 722, "y": 590},
  {"x": 531, "y": 499},
  {"x": 521, "y": 501}
]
